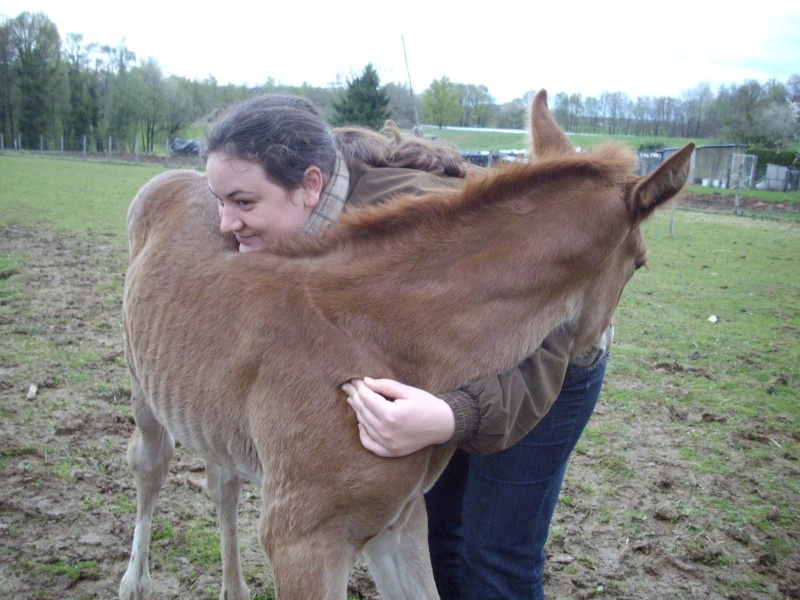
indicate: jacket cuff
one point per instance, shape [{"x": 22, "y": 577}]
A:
[
  {"x": 466, "y": 412},
  {"x": 598, "y": 350}
]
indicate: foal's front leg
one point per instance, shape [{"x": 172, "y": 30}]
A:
[
  {"x": 225, "y": 488},
  {"x": 150, "y": 450}
]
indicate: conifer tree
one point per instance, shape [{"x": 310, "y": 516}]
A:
[{"x": 364, "y": 102}]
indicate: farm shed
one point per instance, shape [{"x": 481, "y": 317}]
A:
[
  {"x": 487, "y": 159},
  {"x": 714, "y": 165},
  {"x": 780, "y": 178}
]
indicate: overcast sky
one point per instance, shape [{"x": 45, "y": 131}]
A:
[{"x": 641, "y": 48}]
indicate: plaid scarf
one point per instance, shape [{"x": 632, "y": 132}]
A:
[{"x": 331, "y": 202}]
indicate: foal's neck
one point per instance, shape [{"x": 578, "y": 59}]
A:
[{"x": 441, "y": 313}]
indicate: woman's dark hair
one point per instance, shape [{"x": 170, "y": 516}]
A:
[
  {"x": 286, "y": 135},
  {"x": 282, "y": 133}
]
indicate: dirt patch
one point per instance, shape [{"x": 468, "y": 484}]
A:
[
  {"x": 718, "y": 203},
  {"x": 67, "y": 498}
]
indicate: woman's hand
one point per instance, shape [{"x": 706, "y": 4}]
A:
[{"x": 414, "y": 420}]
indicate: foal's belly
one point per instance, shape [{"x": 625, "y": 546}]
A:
[{"x": 216, "y": 437}]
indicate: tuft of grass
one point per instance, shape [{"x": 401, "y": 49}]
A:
[
  {"x": 9, "y": 269},
  {"x": 126, "y": 504},
  {"x": 19, "y": 452},
  {"x": 201, "y": 544},
  {"x": 75, "y": 571},
  {"x": 65, "y": 468},
  {"x": 163, "y": 530}
]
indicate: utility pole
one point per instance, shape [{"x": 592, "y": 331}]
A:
[{"x": 417, "y": 126}]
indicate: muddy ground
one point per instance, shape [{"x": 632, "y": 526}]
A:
[
  {"x": 718, "y": 203},
  {"x": 67, "y": 498}
]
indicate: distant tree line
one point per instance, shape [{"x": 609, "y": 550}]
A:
[
  {"x": 53, "y": 89},
  {"x": 753, "y": 114}
]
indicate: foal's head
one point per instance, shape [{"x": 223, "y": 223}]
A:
[{"x": 629, "y": 202}]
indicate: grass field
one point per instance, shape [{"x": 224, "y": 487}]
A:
[
  {"x": 69, "y": 195},
  {"x": 505, "y": 140},
  {"x": 708, "y": 411}
]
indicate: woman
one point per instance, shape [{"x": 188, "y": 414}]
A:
[{"x": 279, "y": 174}]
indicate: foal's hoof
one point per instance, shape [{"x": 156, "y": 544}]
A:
[{"x": 133, "y": 588}]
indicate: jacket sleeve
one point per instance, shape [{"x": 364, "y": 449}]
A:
[{"x": 495, "y": 412}]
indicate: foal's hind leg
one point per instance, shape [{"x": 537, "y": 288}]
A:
[
  {"x": 225, "y": 487},
  {"x": 149, "y": 452},
  {"x": 399, "y": 560}
]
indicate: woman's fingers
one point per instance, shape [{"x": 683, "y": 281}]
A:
[{"x": 413, "y": 420}]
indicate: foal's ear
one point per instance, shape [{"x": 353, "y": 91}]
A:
[
  {"x": 547, "y": 138},
  {"x": 657, "y": 187}
]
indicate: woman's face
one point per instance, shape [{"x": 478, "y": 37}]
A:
[{"x": 253, "y": 207}]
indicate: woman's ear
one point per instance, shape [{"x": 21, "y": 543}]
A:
[{"x": 312, "y": 186}]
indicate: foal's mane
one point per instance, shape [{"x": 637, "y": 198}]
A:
[{"x": 611, "y": 163}]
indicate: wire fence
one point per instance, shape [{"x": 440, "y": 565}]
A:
[
  {"x": 716, "y": 166},
  {"x": 170, "y": 154}
]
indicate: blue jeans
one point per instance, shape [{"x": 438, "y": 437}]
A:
[{"x": 489, "y": 516}]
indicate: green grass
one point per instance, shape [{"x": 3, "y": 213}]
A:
[
  {"x": 194, "y": 131},
  {"x": 202, "y": 544},
  {"x": 744, "y": 272},
  {"x": 83, "y": 198},
  {"x": 30, "y": 344},
  {"x": 163, "y": 530},
  {"x": 731, "y": 193},
  {"x": 65, "y": 468},
  {"x": 73, "y": 570},
  {"x": 742, "y": 373},
  {"x": 90, "y": 197},
  {"x": 9, "y": 268},
  {"x": 125, "y": 505}
]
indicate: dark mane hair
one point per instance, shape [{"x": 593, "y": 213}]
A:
[{"x": 391, "y": 148}]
